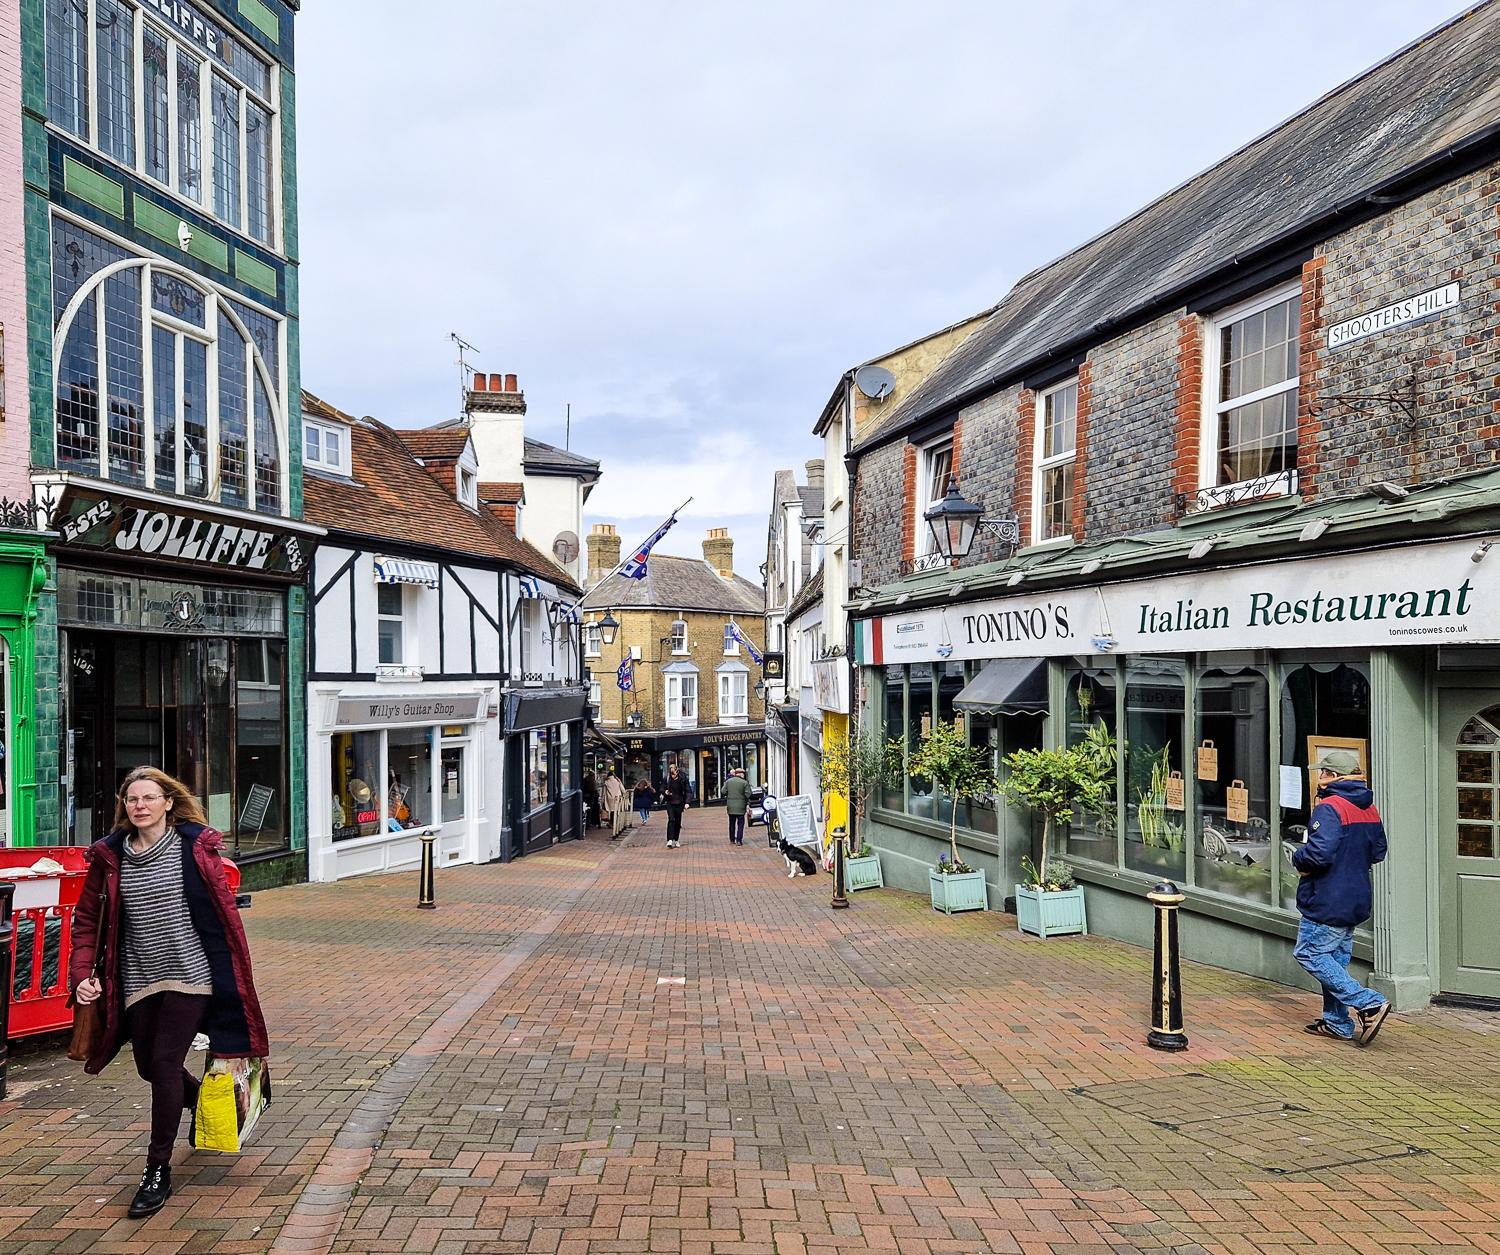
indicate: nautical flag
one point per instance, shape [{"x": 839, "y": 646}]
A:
[
  {"x": 635, "y": 566},
  {"x": 734, "y": 631},
  {"x": 625, "y": 676}
]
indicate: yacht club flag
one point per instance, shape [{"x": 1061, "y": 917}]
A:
[
  {"x": 734, "y": 631},
  {"x": 634, "y": 567},
  {"x": 625, "y": 676}
]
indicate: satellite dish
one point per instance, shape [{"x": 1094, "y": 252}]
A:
[
  {"x": 565, "y": 547},
  {"x": 875, "y": 382}
]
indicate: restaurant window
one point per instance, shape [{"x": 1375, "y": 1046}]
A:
[
  {"x": 893, "y": 792},
  {"x": 1056, "y": 443},
  {"x": 390, "y": 620},
  {"x": 1156, "y": 803},
  {"x": 241, "y": 139},
  {"x": 1251, "y": 434},
  {"x": 1232, "y": 773},
  {"x": 919, "y": 713},
  {"x": 1092, "y": 685},
  {"x": 145, "y": 355}
]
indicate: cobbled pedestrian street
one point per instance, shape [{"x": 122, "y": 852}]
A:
[{"x": 616, "y": 1047}]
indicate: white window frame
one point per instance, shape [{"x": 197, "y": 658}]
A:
[
  {"x": 404, "y": 660},
  {"x": 466, "y": 481},
  {"x": 1213, "y": 407},
  {"x": 1042, "y": 464},
  {"x": 209, "y": 65},
  {"x": 215, "y": 299},
  {"x": 681, "y": 699},
  {"x": 734, "y": 698},
  {"x": 592, "y": 640},
  {"x": 731, "y": 643},
  {"x": 679, "y": 637},
  {"x": 339, "y": 465},
  {"x": 596, "y": 698},
  {"x": 927, "y": 464},
  {"x": 526, "y": 642}
]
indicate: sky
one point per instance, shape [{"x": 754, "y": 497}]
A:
[{"x": 684, "y": 221}]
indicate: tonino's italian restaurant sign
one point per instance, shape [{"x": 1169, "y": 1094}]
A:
[
  {"x": 1383, "y": 319},
  {"x": 404, "y": 708},
  {"x": 1415, "y": 595},
  {"x": 89, "y": 520}
]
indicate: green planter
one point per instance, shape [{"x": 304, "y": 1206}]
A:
[
  {"x": 965, "y": 891},
  {"x": 1054, "y": 914},
  {"x": 863, "y": 873}
]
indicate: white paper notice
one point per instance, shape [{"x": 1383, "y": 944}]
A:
[{"x": 1291, "y": 787}]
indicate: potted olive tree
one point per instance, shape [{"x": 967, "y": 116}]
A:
[
  {"x": 962, "y": 771},
  {"x": 855, "y": 766},
  {"x": 1058, "y": 783}
]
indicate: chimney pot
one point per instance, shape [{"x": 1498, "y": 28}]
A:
[
  {"x": 478, "y": 382},
  {"x": 495, "y": 384},
  {"x": 510, "y": 384}
]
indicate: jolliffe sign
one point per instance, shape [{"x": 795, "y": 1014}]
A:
[{"x": 1397, "y": 596}]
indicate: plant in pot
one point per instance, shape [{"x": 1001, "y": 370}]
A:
[
  {"x": 853, "y": 767},
  {"x": 1058, "y": 784},
  {"x": 962, "y": 771},
  {"x": 1161, "y": 834}
]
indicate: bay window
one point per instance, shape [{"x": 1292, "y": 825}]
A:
[
  {"x": 682, "y": 695},
  {"x": 734, "y": 687},
  {"x": 140, "y": 79}
]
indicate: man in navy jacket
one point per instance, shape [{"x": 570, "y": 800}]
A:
[{"x": 1345, "y": 839}]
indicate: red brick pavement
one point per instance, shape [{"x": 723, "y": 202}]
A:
[{"x": 521, "y": 1071}]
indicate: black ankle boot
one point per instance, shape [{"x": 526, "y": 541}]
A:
[{"x": 156, "y": 1188}]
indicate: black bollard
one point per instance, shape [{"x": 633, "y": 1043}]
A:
[
  {"x": 840, "y": 876},
  {"x": 7, "y": 959},
  {"x": 1166, "y": 995},
  {"x": 426, "y": 897}
]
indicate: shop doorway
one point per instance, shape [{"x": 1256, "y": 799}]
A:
[{"x": 1469, "y": 841}]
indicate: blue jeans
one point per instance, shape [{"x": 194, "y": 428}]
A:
[
  {"x": 1325, "y": 951},
  {"x": 644, "y": 812}
]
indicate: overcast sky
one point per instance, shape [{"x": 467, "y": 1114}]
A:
[{"x": 687, "y": 220}]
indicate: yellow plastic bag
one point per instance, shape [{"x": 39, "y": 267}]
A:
[{"x": 218, "y": 1123}]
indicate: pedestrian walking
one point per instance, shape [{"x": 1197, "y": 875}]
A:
[
  {"x": 612, "y": 799},
  {"x": 590, "y": 801},
  {"x": 737, "y": 802},
  {"x": 1345, "y": 839},
  {"x": 678, "y": 797},
  {"x": 157, "y": 936},
  {"x": 644, "y": 798}
]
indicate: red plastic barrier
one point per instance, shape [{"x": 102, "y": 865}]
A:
[{"x": 44, "y": 933}]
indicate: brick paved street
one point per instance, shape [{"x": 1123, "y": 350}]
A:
[{"x": 617, "y": 1047}]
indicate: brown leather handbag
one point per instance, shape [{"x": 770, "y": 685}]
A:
[{"x": 88, "y": 1018}]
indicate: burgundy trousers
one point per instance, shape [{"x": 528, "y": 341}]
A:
[{"x": 162, "y": 1028}]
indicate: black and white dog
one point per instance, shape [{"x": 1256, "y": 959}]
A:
[{"x": 798, "y": 861}]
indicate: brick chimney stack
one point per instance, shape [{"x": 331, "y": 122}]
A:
[
  {"x": 604, "y": 551},
  {"x": 718, "y": 551},
  {"x": 495, "y": 394},
  {"x": 815, "y": 473}
]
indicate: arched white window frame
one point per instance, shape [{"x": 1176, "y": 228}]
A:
[{"x": 215, "y": 303}]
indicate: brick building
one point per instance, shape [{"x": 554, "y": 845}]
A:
[
  {"x": 696, "y": 696},
  {"x": 1248, "y": 440}
]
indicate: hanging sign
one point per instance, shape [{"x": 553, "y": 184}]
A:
[
  {"x": 1208, "y": 761},
  {"x": 1237, "y": 803}
]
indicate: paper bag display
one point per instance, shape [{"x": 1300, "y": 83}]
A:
[
  {"x": 1237, "y": 802},
  {"x": 1176, "y": 792},
  {"x": 1208, "y": 761}
]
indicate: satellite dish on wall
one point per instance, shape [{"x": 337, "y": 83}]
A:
[
  {"x": 875, "y": 382},
  {"x": 565, "y": 547}
]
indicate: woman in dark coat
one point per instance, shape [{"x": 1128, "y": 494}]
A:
[{"x": 158, "y": 918}]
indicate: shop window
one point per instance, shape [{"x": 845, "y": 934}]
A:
[
  {"x": 390, "y": 618},
  {"x": 1155, "y": 796},
  {"x": 409, "y": 777},
  {"x": 1252, "y": 376},
  {"x": 1232, "y": 768},
  {"x": 564, "y": 759},
  {"x": 1056, "y": 444},
  {"x": 679, "y": 636},
  {"x": 325, "y": 447},
  {"x": 687, "y": 763},
  {"x": 260, "y": 745},
  {"x": 919, "y": 711},
  {"x": 358, "y": 802},
  {"x": 539, "y": 768},
  {"x": 451, "y": 782},
  {"x": 243, "y": 132},
  {"x": 752, "y": 765},
  {"x": 893, "y": 793},
  {"x": 936, "y": 471},
  {"x": 147, "y": 425},
  {"x": 1092, "y": 686}
]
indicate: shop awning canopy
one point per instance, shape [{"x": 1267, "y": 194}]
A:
[
  {"x": 1006, "y": 686},
  {"x": 405, "y": 571}
]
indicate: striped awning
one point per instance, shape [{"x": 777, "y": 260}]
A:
[{"x": 405, "y": 571}]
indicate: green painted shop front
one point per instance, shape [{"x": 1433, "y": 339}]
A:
[
  {"x": 1212, "y": 785},
  {"x": 23, "y": 576}
]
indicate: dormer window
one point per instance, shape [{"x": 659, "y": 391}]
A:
[
  {"x": 325, "y": 447},
  {"x": 468, "y": 486}
]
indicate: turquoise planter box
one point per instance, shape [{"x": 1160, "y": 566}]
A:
[
  {"x": 1052, "y": 914},
  {"x": 964, "y": 892},
  {"x": 863, "y": 873}
]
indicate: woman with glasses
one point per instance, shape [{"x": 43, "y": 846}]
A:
[{"x": 157, "y": 936}]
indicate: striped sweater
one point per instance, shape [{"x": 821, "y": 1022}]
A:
[{"x": 160, "y": 948}]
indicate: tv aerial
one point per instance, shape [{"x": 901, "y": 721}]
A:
[{"x": 875, "y": 382}]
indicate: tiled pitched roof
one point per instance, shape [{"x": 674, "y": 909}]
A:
[
  {"x": 1418, "y": 106},
  {"x": 434, "y": 442},
  {"x": 393, "y": 497},
  {"x": 810, "y": 595},
  {"x": 681, "y": 584},
  {"x": 812, "y": 501},
  {"x": 502, "y": 494}
]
